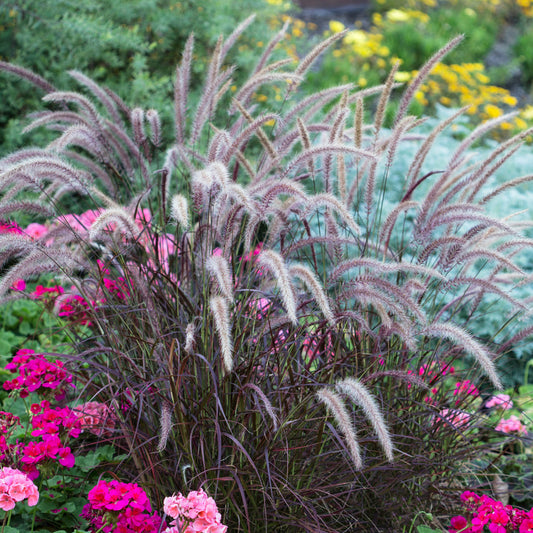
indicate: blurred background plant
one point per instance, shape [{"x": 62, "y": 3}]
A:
[{"x": 125, "y": 46}]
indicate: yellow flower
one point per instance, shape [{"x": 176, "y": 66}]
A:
[
  {"x": 509, "y": 100},
  {"x": 527, "y": 113},
  {"x": 402, "y": 76},
  {"x": 397, "y": 15},
  {"x": 335, "y": 26},
  {"x": 493, "y": 111},
  {"x": 357, "y": 37},
  {"x": 362, "y": 82},
  {"x": 520, "y": 123}
]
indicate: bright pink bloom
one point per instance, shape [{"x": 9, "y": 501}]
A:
[
  {"x": 458, "y": 523},
  {"x": 19, "y": 285},
  {"x": 526, "y": 526},
  {"x": 10, "y": 227},
  {"x": 36, "y": 231},
  {"x": 124, "y": 505}
]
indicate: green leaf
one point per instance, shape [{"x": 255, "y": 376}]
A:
[
  {"x": 427, "y": 529},
  {"x": 26, "y": 328},
  {"x": 526, "y": 390}
]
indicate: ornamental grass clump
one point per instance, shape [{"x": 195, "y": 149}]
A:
[{"x": 271, "y": 291}]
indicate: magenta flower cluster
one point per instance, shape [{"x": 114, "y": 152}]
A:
[
  {"x": 483, "y": 512},
  {"x": 16, "y": 487},
  {"x": 51, "y": 427},
  {"x": 193, "y": 514},
  {"x": 37, "y": 374},
  {"x": 120, "y": 508}
]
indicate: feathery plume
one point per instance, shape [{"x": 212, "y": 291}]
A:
[
  {"x": 421, "y": 76},
  {"x": 390, "y": 267},
  {"x": 420, "y": 157},
  {"x": 84, "y": 103},
  {"x": 314, "y": 54},
  {"x": 384, "y": 99},
  {"x": 33, "y": 78},
  {"x": 220, "y": 312},
  {"x": 358, "y": 122},
  {"x": 275, "y": 264},
  {"x": 152, "y": 116},
  {"x": 166, "y": 425},
  {"x": 314, "y": 151},
  {"x": 189, "y": 338},
  {"x": 336, "y": 406},
  {"x": 453, "y": 333},
  {"x": 312, "y": 283},
  {"x": 360, "y": 395},
  {"x": 102, "y": 96},
  {"x": 266, "y": 402},
  {"x": 114, "y": 215},
  {"x": 219, "y": 267},
  {"x": 137, "y": 121},
  {"x": 235, "y": 34},
  {"x": 270, "y": 47},
  {"x": 512, "y": 183},
  {"x": 181, "y": 90},
  {"x": 179, "y": 210},
  {"x": 324, "y": 199}
]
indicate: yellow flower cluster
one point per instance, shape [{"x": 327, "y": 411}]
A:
[
  {"x": 399, "y": 15},
  {"x": 468, "y": 85},
  {"x": 508, "y": 7},
  {"x": 364, "y": 52}
]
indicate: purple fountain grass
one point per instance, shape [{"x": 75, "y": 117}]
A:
[{"x": 259, "y": 265}]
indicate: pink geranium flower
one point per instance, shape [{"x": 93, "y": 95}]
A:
[
  {"x": 500, "y": 401},
  {"x": 36, "y": 231},
  {"x": 511, "y": 425},
  {"x": 95, "y": 417},
  {"x": 15, "y": 487},
  {"x": 194, "y": 513}
]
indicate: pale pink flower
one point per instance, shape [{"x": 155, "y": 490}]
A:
[
  {"x": 511, "y": 425},
  {"x": 15, "y": 487},
  {"x": 96, "y": 418},
  {"x": 500, "y": 401},
  {"x": 260, "y": 307},
  {"x": 455, "y": 417},
  {"x": 6, "y": 502},
  {"x": 193, "y": 514}
]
